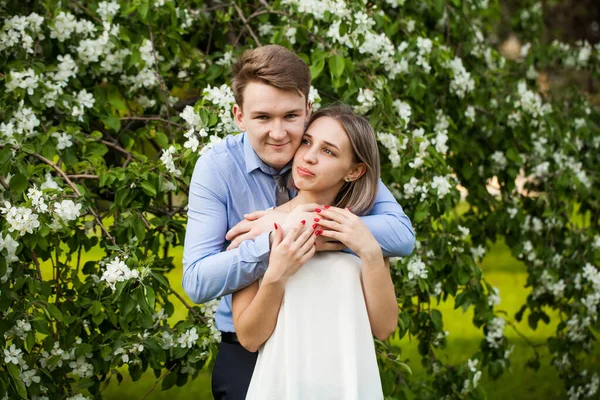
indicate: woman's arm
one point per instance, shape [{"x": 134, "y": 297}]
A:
[
  {"x": 255, "y": 311},
  {"x": 378, "y": 288},
  {"x": 255, "y": 308},
  {"x": 380, "y": 296}
]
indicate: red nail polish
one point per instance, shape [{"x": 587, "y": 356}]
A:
[
  {"x": 318, "y": 210},
  {"x": 314, "y": 226},
  {"x": 326, "y": 207},
  {"x": 276, "y": 227},
  {"x": 317, "y": 219},
  {"x": 303, "y": 222},
  {"x": 318, "y": 232}
]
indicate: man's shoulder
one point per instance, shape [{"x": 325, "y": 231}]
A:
[{"x": 231, "y": 147}]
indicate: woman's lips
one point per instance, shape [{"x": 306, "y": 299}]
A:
[{"x": 304, "y": 172}]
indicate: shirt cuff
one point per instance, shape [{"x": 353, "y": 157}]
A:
[{"x": 262, "y": 247}]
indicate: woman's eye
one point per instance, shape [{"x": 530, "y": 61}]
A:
[
  {"x": 305, "y": 141},
  {"x": 329, "y": 152}
]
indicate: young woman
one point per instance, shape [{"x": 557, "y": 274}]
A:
[{"x": 313, "y": 315}]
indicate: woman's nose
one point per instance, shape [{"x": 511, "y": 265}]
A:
[{"x": 310, "y": 157}]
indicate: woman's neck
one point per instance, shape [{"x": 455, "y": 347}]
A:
[{"x": 306, "y": 197}]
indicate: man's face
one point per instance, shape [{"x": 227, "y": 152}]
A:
[{"x": 274, "y": 120}]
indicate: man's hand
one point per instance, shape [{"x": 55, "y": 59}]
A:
[{"x": 253, "y": 225}]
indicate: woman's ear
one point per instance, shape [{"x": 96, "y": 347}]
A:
[
  {"x": 238, "y": 117},
  {"x": 357, "y": 171}
]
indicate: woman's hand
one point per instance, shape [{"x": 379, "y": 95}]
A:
[
  {"x": 344, "y": 226},
  {"x": 290, "y": 253}
]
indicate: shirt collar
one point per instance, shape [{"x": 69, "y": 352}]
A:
[{"x": 254, "y": 162}]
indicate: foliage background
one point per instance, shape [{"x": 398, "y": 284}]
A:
[{"x": 106, "y": 106}]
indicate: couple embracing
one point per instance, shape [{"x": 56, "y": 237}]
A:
[{"x": 290, "y": 223}]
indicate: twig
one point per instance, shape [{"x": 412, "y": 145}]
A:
[
  {"x": 200, "y": 316},
  {"x": 3, "y": 183},
  {"x": 166, "y": 121},
  {"x": 37, "y": 264},
  {"x": 68, "y": 181},
  {"x": 144, "y": 220},
  {"x": 160, "y": 80},
  {"x": 83, "y": 176},
  {"x": 245, "y": 21},
  {"x": 158, "y": 380},
  {"x": 87, "y": 11}
]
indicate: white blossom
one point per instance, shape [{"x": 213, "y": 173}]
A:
[
  {"x": 495, "y": 332},
  {"x": 416, "y": 269},
  {"x": 192, "y": 118},
  {"x": 64, "y": 140},
  {"x": 494, "y": 297},
  {"x": 403, "y": 110},
  {"x": 167, "y": 160},
  {"x": 64, "y": 26},
  {"x": 365, "y": 100},
  {"x": 49, "y": 183},
  {"x": 10, "y": 245},
  {"x": 442, "y": 185},
  {"x": 12, "y": 355},
  {"x": 107, "y": 10},
  {"x": 462, "y": 83},
  {"x": 118, "y": 271},
  {"x": 27, "y": 80},
  {"x": 464, "y": 231},
  {"x": 470, "y": 113},
  {"x": 188, "y": 338},
  {"x": 20, "y": 219},
  {"x": 30, "y": 377},
  {"x": 82, "y": 368},
  {"x": 500, "y": 161},
  {"x": 314, "y": 98},
  {"x": 67, "y": 210},
  {"x": 478, "y": 252},
  {"x": 393, "y": 144}
]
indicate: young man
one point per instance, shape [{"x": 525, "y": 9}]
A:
[{"x": 246, "y": 173}]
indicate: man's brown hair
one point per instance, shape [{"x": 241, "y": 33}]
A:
[{"x": 273, "y": 65}]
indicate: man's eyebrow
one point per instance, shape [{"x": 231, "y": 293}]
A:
[
  {"x": 327, "y": 143},
  {"x": 295, "y": 111}
]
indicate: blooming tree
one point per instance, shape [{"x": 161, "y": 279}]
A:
[{"x": 106, "y": 106}]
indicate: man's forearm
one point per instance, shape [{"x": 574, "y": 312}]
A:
[
  {"x": 223, "y": 273},
  {"x": 393, "y": 232}
]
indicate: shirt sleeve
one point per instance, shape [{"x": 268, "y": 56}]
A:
[
  {"x": 389, "y": 225},
  {"x": 209, "y": 271}
]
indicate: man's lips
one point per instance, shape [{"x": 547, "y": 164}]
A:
[
  {"x": 304, "y": 172},
  {"x": 278, "y": 145}
]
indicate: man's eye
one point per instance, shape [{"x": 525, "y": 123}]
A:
[
  {"x": 263, "y": 117},
  {"x": 290, "y": 116}
]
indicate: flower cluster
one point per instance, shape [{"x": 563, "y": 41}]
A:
[{"x": 118, "y": 271}]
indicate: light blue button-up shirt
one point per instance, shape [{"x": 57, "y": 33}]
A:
[{"x": 230, "y": 180}]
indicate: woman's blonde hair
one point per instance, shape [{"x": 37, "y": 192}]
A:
[{"x": 359, "y": 195}]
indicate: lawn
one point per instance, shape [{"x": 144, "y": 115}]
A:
[{"x": 500, "y": 269}]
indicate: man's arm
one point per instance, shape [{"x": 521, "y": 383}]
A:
[
  {"x": 208, "y": 271},
  {"x": 390, "y": 225}
]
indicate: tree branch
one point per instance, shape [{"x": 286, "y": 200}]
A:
[
  {"x": 198, "y": 315},
  {"x": 166, "y": 121},
  {"x": 158, "y": 380},
  {"x": 160, "y": 80},
  {"x": 245, "y": 21}
]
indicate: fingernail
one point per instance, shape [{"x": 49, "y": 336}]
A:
[
  {"x": 317, "y": 219},
  {"x": 326, "y": 207},
  {"x": 276, "y": 227},
  {"x": 303, "y": 222},
  {"x": 314, "y": 226},
  {"x": 318, "y": 232},
  {"x": 318, "y": 210}
]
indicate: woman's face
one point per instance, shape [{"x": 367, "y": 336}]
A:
[{"x": 324, "y": 158}]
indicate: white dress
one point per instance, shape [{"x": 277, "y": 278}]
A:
[{"x": 322, "y": 346}]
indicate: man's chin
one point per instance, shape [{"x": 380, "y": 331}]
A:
[{"x": 279, "y": 162}]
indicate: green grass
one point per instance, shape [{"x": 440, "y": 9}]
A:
[{"x": 500, "y": 269}]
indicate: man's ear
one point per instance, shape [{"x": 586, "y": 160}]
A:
[
  {"x": 238, "y": 117},
  {"x": 357, "y": 171},
  {"x": 308, "y": 109}
]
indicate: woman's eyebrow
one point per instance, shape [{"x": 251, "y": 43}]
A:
[{"x": 327, "y": 143}]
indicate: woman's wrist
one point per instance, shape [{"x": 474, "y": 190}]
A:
[{"x": 371, "y": 254}]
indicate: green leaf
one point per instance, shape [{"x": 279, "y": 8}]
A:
[
  {"x": 96, "y": 307},
  {"x": 16, "y": 376},
  {"x": 85, "y": 383},
  {"x": 18, "y": 184},
  {"x": 113, "y": 122},
  {"x": 316, "y": 68},
  {"x": 150, "y": 297},
  {"x": 336, "y": 65},
  {"x": 436, "y": 319},
  {"x": 169, "y": 381},
  {"x": 55, "y": 312},
  {"x": 148, "y": 188}
]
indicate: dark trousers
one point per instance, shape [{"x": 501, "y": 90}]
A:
[{"x": 232, "y": 372}]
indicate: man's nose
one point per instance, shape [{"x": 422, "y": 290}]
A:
[{"x": 277, "y": 130}]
